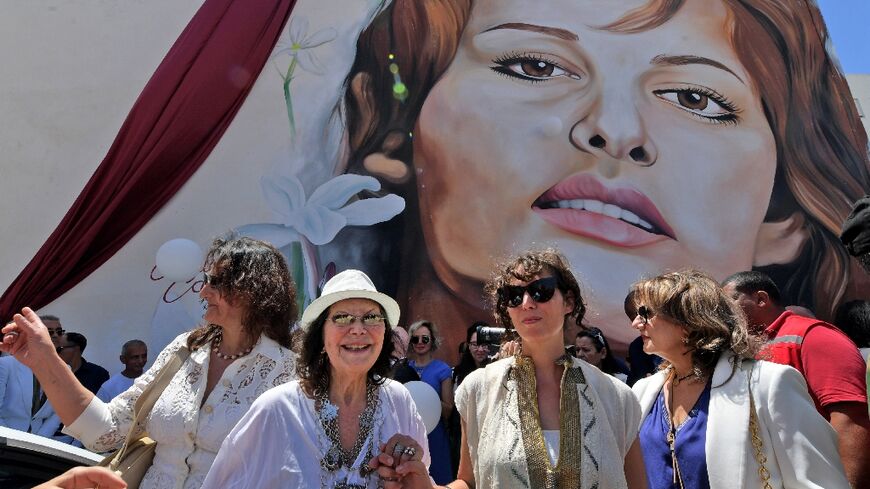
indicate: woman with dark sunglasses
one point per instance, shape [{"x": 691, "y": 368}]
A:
[
  {"x": 713, "y": 417},
  {"x": 541, "y": 418},
  {"x": 591, "y": 345},
  {"x": 424, "y": 341}
]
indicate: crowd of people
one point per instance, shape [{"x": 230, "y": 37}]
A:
[{"x": 731, "y": 389}]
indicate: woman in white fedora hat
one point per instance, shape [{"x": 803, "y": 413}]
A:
[{"x": 324, "y": 429}]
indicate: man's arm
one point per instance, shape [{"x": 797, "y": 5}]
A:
[
  {"x": 852, "y": 424},
  {"x": 835, "y": 370}
]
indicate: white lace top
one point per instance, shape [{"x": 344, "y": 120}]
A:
[{"x": 188, "y": 437}]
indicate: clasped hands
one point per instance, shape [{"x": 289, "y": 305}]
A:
[{"x": 399, "y": 464}]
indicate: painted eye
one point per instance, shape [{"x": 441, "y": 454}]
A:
[
  {"x": 709, "y": 106},
  {"x": 532, "y": 68}
]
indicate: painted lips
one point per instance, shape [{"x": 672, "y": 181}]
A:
[{"x": 623, "y": 217}]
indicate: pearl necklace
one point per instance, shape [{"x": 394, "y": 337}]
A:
[{"x": 216, "y": 345}]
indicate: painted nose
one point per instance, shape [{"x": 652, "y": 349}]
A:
[{"x": 613, "y": 128}]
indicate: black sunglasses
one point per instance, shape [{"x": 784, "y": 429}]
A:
[
  {"x": 62, "y": 348},
  {"x": 540, "y": 291},
  {"x": 420, "y": 339},
  {"x": 211, "y": 280},
  {"x": 645, "y": 313}
]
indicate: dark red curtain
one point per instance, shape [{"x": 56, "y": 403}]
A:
[{"x": 179, "y": 117}]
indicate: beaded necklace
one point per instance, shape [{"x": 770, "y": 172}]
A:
[
  {"x": 216, "y": 345},
  {"x": 334, "y": 456}
]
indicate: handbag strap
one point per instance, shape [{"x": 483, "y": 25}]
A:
[
  {"x": 150, "y": 395},
  {"x": 755, "y": 438}
]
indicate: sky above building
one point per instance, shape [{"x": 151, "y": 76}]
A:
[{"x": 848, "y": 22}]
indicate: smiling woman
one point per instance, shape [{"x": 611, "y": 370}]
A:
[
  {"x": 636, "y": 136},
  {"x": 323, "y": 429}
]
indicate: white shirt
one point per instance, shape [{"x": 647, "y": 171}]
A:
[
  {"x": 116, "y": 384},
  {"x": 188, "y": 437},
  {"x": 278, "y": 443}
]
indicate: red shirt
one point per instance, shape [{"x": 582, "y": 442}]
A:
[{"x": 832, "y": 365}]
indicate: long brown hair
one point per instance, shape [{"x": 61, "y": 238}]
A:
[
  {"x": 822, "y": 160},
  {"x": 255, "y": 274}
]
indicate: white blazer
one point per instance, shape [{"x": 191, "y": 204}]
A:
[
  {"x": 16, "y": 400},
  {"x": 800, "y": 446}
]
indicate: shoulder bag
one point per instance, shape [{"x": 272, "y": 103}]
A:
[{"x": 135, "y": 456}]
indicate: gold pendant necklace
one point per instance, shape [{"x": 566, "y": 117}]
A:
[{"x": 671, "y": 437}]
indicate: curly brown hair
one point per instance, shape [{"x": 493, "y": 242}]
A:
[
  {"x": 312, "y": 364},
  {"x": 713, "y": 323},
  {"x": 526, "y": 266},
  {"x": 255, "y": 274}
]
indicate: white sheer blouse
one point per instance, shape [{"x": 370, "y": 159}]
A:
[
  {"x": 188, "y": 436},
  {"x": 277, "y": 444}
]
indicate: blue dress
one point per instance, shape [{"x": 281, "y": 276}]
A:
[
  {"x": 441, "y": 469},
  {"x": 690, "y": 439}
]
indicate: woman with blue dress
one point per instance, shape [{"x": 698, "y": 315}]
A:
[
  {"x": 713, "y": 416},
  {"x": 424, "y": 341}
]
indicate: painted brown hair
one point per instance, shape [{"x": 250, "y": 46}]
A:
[{"x": 822, "y": 160}]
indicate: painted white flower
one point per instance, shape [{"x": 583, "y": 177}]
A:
[
  {"x": 320, "y": 217},
  {"x": 300, "y": 44}
]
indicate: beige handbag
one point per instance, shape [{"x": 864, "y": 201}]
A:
[{"x": 135, "y": 456}]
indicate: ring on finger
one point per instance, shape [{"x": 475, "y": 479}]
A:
[
  {"x": 398, "y": 448},
  {"x": 410, "y": 451}
]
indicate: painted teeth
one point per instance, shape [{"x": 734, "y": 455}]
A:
[{"x": 609, "y": 210}]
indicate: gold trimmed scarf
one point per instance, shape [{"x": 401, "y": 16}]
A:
[{"x": 542, "y": 473}]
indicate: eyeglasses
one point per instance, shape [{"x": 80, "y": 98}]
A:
[
  {"x": 540, "y": 291},
  {"x": 368, "y": 320},
  {"x": 645, "y": 313},
  {"x": 425, "y": 339},
  {"x": 55, "y": 331},
  {"x": 211, "y": 280},
  {"x": 474, "y": 344},
  {"x": 62, "y": 348}
]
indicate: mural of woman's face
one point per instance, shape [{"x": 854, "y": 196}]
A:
[{"x": 631, "y": 152}]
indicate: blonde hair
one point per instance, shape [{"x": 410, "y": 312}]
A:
[
  {"x": 433, "y": 332},
  {"x": 713, "y": 322}
]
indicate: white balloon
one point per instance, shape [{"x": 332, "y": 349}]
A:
[
  {"x": 179, "y": 259},
  {"x": 427, "y": 401}
]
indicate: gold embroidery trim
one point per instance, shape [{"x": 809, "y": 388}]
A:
[{"x": 542, "y": 473}]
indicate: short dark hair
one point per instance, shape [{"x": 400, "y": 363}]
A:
[
  {"x": 535, "y": 262},
  {"x": 130, "y": 344},
  {"x": 853, "y": 318},
  {"x": 608, "y": 363},
  {"x": 48, "y": 317},
  {"x": 753, "y": 281},
  {"x": 312, "y": 363},
  {"x": 77, "y": 339}
]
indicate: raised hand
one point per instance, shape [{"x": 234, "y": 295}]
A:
[{"x": 27, "y": 339}]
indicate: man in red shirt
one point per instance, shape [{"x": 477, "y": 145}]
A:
[{"x": 828, "y": 359}]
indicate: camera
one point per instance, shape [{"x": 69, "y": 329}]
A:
[{"x": 490, "y": 335}]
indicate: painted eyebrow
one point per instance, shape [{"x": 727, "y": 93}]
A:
[
  {"x": 550, "y": 31},
  {"x": 681, "y": 60}
]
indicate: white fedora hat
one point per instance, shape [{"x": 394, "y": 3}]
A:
[{"x": 349, "y": 284}]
